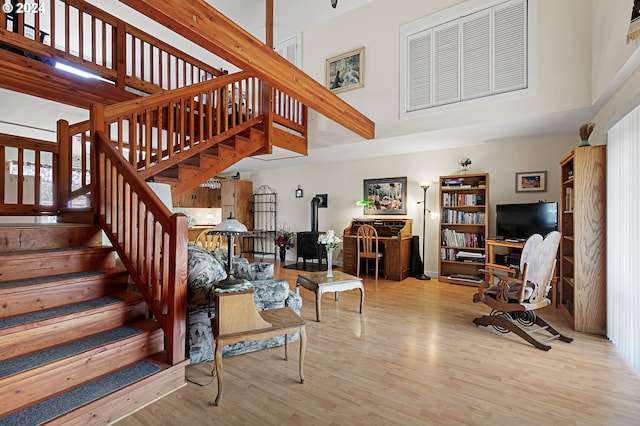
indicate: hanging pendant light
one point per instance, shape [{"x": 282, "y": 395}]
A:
[{"x": 334, "y": 3}]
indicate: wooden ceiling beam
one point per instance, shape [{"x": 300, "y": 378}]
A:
[{"x": 202, "y": 24}]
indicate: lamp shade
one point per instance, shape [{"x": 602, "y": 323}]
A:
[{"x": 230, "y": 226}]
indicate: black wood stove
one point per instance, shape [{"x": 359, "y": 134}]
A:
[{"x": 307, "y": 246}]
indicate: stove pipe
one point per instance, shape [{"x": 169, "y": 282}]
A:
[{"x": 314, "y": 213}]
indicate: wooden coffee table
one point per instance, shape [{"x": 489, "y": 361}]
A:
[{"x": 320, "y": 284}]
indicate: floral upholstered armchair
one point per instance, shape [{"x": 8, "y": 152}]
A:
[{"x": 204, "y": 270}]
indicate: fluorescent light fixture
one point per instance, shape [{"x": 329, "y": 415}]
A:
[{"x": 76, "y": 71}]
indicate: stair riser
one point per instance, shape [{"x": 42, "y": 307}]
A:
[
  {"x": 31, "y": 265},
  {"x": 17, "y": 301},
  {"x": 47, "y": 236},
  {"x": 52, "y": 379},
  {"x": 25, "y": 339}
]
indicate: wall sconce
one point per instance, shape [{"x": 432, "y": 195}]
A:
[{"x": 299, "y": 192}]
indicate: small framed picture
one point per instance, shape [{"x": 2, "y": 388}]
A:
[
  {"x": 346, "y": 71},
  {"x": 531, "y": 182}
]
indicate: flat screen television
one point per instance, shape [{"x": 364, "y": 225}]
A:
[{"x": 520, "y": 221}]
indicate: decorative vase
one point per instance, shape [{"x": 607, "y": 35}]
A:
[
  {"x": 283, "y": 253},
  {"x": 584, "y": 143},
  {"x": 329, "y": 262}
]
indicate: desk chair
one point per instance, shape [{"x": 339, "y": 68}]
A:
[
  {"x": 209, "y": 242},
  {"x": 368, "y": 247}
]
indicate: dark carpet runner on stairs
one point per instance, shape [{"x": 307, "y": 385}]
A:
[
  {"x": 56, "y": 312},
  {"x": 48, "y": 278},
  {"x": 69, "y": 401},
  {"x": 46, "y": 356}
]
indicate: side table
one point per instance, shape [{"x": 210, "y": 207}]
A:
[
  {"x": 237, "y": 319},
  {"x": 319, "y": 283}
]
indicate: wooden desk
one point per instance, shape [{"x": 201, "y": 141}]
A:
[
  {"x": 394, "y": 234},
  {"x": 237, "y": 319}
]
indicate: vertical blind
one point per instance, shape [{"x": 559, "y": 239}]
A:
[{"x": 623, "y": 236}]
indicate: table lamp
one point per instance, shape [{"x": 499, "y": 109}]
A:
[{"x": 231, "y": 228}]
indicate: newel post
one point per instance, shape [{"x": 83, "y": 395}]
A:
[
  {"x": 63, "y": 183},
  {"x": 176, "y": 321},
  {"x": 96, "y": 125}
]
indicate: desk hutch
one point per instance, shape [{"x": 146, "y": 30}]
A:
[{"x": 394, "y": 234}]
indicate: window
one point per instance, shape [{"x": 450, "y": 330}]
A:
[
  {"x": 466, "y": 52},
  {"x": 290, "y": 50}
]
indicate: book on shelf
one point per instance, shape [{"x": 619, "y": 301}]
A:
[
  {"x": 452, "y": 181},
  {"x": 464, "y": 277},
  {"x": 470, "y": 257},
  {"x": 568, "y": 202}
]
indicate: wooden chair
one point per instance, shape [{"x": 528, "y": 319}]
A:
[
  {"x": 514, "y": 298},
  {"x": 237, "y": 319},
  {"x": 209, "y": 241},
  {"x": 368, "y": 247}
]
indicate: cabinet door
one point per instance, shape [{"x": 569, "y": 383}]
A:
[
  {"x": 228, "y": 193},
  {"x": 349, "y": 255},
  {"x": 185, "y": 200},
  {"x": 202, "y": 197},
  {"x": 392, "y": 260}
]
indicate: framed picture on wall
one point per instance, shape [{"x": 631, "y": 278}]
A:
[
  {"x": 531, "y": 182},
  {"x": 346, "y": 71},
  {"x": 386, "y": 196}
]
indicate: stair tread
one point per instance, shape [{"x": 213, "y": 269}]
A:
[
  {"x": 56, "y": 353},
  {"x": 58, "y": 311},
  {"x": 57, "y": 277},
  {"x": 69, "y": 401}
]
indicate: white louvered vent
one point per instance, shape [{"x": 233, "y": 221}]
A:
[
  {"x": 446, "y": 64},
  {"x": 448, "y": 58},
  {"x": 419, "y": 71},
  {"x": 476, "y": 56},
  {"x": 510, "y": 47}
]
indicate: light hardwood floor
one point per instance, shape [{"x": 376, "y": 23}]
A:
[{"x": 413, "y": 357}]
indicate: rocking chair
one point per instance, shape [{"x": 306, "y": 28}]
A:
[{"x": 514, "y": 299}]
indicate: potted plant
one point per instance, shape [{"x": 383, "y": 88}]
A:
[
  {"x": 585, "y": 131},
  {"x": 284, "y": 241}
]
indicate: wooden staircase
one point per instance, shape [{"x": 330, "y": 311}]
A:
[
  {"x": 83, "y": 323},
  {"x": 213, "y": 160}
]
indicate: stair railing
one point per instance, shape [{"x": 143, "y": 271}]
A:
[
  {"x": 161, "y": 130},
  {"x": 149, "y": 239},
  {"x": 79, "y": 34}
]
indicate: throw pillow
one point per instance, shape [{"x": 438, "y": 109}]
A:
[{"x": 203, "y": 270}]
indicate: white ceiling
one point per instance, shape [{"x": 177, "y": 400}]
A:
[
  {"x": 289, "y": 16},
  {"x": 28, "y": 116}
]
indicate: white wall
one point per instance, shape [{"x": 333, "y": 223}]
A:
[
  {"x": 562, "y": 56},
  {"x": 610, "y": 52},
  {"x": 343, "y": 182}
]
